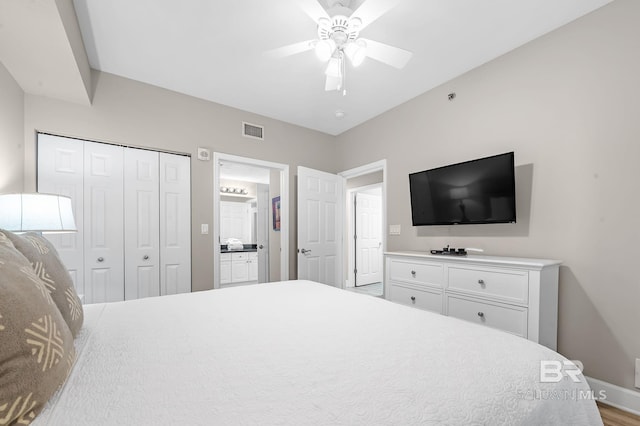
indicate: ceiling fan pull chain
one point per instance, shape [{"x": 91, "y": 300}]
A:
[{"x": 344, "y": 75}]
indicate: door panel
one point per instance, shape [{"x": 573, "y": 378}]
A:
[
  {"x": 175, "y": 224},
  {"x": 320, "y": 226},
  {"x": 171, "y": 279},
  {"x": 61, "y": 171},
  {"x": 103, "y": 223},
  {"x": 141, "y": 224},
  {"x": 369, "y": 239}
]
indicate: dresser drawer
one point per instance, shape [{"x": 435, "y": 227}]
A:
[
  {"x": 423, "y": 273},
  {"x": 423, "y": 299},
  {"x": 512, "y": 319},
  {"x": 510, "y": 285},
  {"x": 239, "y": 256}
]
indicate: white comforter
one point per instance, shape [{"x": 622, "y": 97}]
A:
[{"x": 301, "y": 353}]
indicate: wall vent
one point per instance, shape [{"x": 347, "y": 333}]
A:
[{"x": 252, "y": 131}]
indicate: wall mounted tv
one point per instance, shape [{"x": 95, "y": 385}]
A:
[{"x": 473, "y": 192}]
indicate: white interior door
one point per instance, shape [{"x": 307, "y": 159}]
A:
[
  {"x": 320, "y": 209},
  {"x": 175, "y": 224},
  {"x": 368, "y": 239},
  {"x": 141, "y": 224},
  {"x": 61, "y": 171},
  {"x": 262, "y": 232},
  {"x": 103, "y": 223}
]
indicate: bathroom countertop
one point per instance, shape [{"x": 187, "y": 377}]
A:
[{"x": 247, "y": 248}]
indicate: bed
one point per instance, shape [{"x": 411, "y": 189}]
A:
[{"x": 302, "y": 353}]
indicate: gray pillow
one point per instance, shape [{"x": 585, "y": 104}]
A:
[
  {"x": 36, "y": 350},
  {"x": 47, "y": 265}
]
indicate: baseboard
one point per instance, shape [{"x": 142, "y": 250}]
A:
[{"x": 622, "y": 398}]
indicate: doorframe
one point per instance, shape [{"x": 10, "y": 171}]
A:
[
  {"x": 350, "y": 230},
  {"x": 284, "y": 210},
  {"x": 366, "y": 169}
]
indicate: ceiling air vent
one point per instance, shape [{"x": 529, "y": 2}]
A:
[{"x": 252, "y": 131}]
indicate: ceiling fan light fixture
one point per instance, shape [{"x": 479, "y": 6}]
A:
[
  {"x": 324, "y": 23},
  {"x": 334, "y": 68},
  {"x": 356, "y": 52},
  {"x": 355, "y": 24},
  {"x": 324, "y": 49}
]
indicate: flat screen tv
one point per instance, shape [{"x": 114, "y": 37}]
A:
[{"x": 473, "y": 192}]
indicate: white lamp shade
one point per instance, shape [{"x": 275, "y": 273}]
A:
[
  {"x": 356, "y": 52},
  {"x": 324, "y": 49},
  {"x": 36, "y": 212},
  {"x": 334, "y": 68}
]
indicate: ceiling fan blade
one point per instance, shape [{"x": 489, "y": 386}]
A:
[
  {"x": 386, "y": 54},
  {"x": 313, "y": 9},
  {"x": 333, "y": 83},
  {"x": 291, "y": 49},
  {"x": 371, "y": 10}
]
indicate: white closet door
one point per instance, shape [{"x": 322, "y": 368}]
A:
[
  {"x": 141, "y": 223},
  {"x": 103, "y": 223},
  {"x": 61, "y": 171},
  {"x": 175, "y": 224}
]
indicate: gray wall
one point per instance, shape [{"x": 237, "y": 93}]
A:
[
  {"x": 568, "y": 104},
  {"x": 365, "y": 180},
  {"x": 132, "y": 113},
  {"x": 11, "y": 133}
]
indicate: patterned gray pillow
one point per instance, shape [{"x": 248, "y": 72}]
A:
[
  {"x": 47, "y": 265},
  {"x": 36, "y": 350}
]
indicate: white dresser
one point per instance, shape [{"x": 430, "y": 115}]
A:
[{"x": 516, "y": 295}]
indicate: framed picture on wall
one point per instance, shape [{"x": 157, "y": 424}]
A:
[{"x": 275, "y": 205}]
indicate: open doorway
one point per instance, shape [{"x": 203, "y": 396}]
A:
[
  {"x": 365, "y": 234},
  {"x": 250, "y": 221},
  {"x": 323, "y": 220},
  {"x": 365, "y": 225}
]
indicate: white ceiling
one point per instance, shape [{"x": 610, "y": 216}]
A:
[{"x": 214, "y": 50}]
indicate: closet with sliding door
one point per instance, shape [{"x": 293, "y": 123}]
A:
[{"x": 133, "y": 213}]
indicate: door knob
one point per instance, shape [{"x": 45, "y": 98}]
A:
[
  {"x": 305, "y": 251},
  {"x": 146, "y": 257},
  {"x": 260, "y": 246},
  {"x": 101, "y": 259}
]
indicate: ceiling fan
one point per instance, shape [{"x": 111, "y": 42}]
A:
[{"x": 339, "y": 38}]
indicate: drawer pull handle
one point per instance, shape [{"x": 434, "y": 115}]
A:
[
  {"x": 413, "y": 273},
  {"x": 481, "y": 315},
  {"x": 101, "y": 259},
  {"x": 481, "y": 282},
  {"x": 413, "y": 299}
]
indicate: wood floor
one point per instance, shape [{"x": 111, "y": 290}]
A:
[{"x": 614, "y": 417}]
